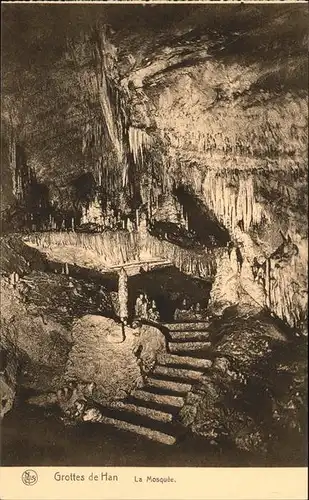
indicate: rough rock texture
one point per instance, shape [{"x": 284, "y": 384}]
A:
[
  {"x": 225, "y": 289},
  {"x": 100, "y": 354},
  {"x": 18, "y": 257},
  {"x": 127, "y": 96},
  {"x": 7, "y": 396},
  {"x": 234, "y": 284},
  {"x": 41, "y": 342},
  {"x": 37, "y": 314},
  {"x": 8, "y": 376},
  {"x": 211, "y": 99},
  {"x": 149, "y": 343},
  {"x": 254, "y": 395},
  {"x": 47, "y": 288}
]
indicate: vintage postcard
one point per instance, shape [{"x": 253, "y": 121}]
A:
[{"x": 154, "y": 250}]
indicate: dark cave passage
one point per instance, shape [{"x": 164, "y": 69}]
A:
[
  {"x": 201, "y": 220},
  {"x": 169, "y": 287},
  {"x": 202, "y": 230}
]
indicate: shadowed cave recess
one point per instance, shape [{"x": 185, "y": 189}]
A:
[{"x": 170, "y": 141}]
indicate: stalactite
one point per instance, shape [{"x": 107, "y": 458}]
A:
[
  {"x": 102, "y": 47},
  {"x": 116, "y": 247},
  {"x": 139, "y": 141},
  {"x": 104, "y": 130},
  {"x": 232, "y": 205}
]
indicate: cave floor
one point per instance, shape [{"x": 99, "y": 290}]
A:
[{"x": 30, "y": 437}]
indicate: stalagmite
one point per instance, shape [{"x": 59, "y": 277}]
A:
[
  {"x": 137, "y": 217},
  {"x": 123, "y": 295}
]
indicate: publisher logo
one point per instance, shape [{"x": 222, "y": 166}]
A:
[{"x": 29, "y": 477}]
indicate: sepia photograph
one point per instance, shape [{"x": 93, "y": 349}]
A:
[{"x": 154, "y": 235}]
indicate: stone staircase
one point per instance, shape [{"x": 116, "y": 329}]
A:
[{"x": 152, "y": 410}]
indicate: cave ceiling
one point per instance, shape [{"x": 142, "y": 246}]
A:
[{"x": 211, "y": 86}]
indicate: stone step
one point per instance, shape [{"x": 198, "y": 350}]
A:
[
  {"x": 189, "y": 336},
  {"x": 168, "y": 385},
  {"x": 161, "y": 399},
  {"x": 188, "y": 346},
  {"x": 147, "y": 432},
  {"x": 177, "y": 373},
  {"x": 187, "y": 326},
  {"x": 142, "y": 411},
  {"x": 187, "y": 361}
]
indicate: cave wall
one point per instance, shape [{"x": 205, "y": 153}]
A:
[
  {"x": 253, "y": 395},
  {"x": 51, "y": 326},
  {"x": 198, "y": 101},
  {"x": 101, "y": 354}
]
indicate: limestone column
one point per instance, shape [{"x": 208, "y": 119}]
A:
[{"x": 123, "y": 297}]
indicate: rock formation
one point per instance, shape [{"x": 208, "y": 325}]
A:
[{"x": 182, "y": 140}]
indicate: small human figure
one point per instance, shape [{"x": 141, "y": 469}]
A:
[
  {"x": 139, "y": 306},
  {"x": 181, "y": 311},
  {"x": 145, "y": 307},
  {"x": 153, "y": 313},
  {"x": 198, "y": 308}
]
